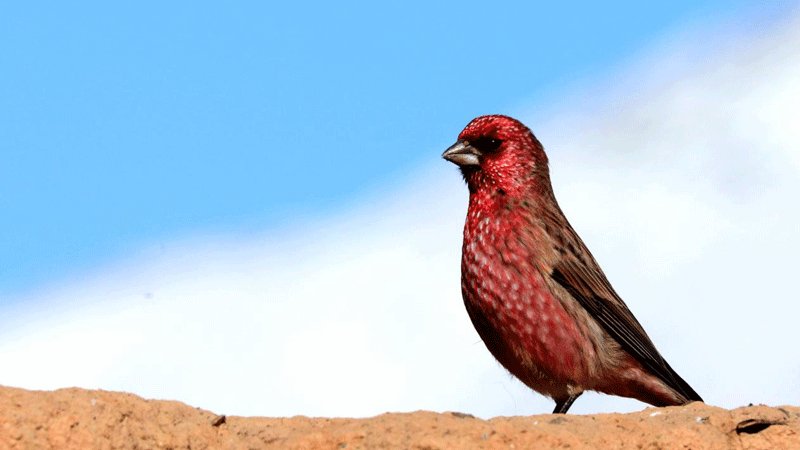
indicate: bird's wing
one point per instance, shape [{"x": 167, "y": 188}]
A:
[{"x": 585, "y": 281}]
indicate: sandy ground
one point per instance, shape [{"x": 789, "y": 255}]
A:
[{"x": 82, "y": 419}]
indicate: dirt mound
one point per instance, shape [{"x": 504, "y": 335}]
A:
[{"x": 81, "y": 419}]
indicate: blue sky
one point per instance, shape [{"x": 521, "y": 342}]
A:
[
  {"x": 256, "y": 195},
  {"x": 128, "y": 125}
]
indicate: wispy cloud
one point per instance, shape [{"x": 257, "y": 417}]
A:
[{"x": 685, "y": 192}]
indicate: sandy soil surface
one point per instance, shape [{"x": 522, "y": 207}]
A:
[{"x": 82, "y": 419}]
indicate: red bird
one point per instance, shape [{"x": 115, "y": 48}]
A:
[{"x": 535, "y": 294}]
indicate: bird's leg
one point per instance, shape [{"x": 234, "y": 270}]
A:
[{"x": 563, "y": 404}]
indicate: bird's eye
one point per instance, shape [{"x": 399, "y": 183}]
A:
[{"x": 487, "y": 144}]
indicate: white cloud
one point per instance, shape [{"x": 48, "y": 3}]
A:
[{"x": 686, "y": 193}]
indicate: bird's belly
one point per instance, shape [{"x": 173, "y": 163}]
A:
[{"x": 526, "y": 328}]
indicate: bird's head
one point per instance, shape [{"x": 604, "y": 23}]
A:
[{"x": 499, "y": 153}]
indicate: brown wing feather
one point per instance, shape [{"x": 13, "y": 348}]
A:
[{"x": 578, "y": 272}]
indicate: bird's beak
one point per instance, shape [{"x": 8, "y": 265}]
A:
[{"x": 462, "y": 154}]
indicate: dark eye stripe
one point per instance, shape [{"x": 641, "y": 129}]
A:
[{"x": 487, "y": 144}]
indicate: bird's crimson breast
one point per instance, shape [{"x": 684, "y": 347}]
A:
[{"x": 502, "y": 284}]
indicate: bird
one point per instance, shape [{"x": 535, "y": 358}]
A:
[{"x": 533, "y": 291}]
